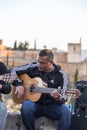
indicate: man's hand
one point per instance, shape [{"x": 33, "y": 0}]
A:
[
  {"x": 19, "y": 91},
  {"x": 56, "y": 95},
  {"x": 77, "y": 93}
]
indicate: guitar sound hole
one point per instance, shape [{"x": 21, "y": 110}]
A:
[{"x": 32, "y": 87}]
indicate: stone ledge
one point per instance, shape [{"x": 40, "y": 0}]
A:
[{"x": 14, "y": 122}]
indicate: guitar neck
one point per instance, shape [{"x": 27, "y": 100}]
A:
[
  {"x": 36, "y": 89},
  {"x": 71, "y": 92},
  {"x": 41, "y": 89}
]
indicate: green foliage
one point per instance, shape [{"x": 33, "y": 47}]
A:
[
  {"x": 21, "y": 45},
  {"x": 15, "y": 45},
  {"x": 76, "y": 76},
  {"x": 26, "y": 45}
]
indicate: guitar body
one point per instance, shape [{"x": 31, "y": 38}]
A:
[{"x": 27, "y": 82}]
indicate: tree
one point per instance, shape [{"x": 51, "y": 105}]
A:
[
  {"x": 35, "y": 44},
  {"x": 21, "y": 46},
  {"x": 15, "y": 45},
  {"x": 76, "y": 76},
  {"x": 26, "y": 45}
]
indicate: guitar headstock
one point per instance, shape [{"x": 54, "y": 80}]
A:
[
  {"x": 8, "y": 77},
  {"x": 73, "y": 92}
]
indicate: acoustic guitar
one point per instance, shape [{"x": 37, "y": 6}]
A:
[{"x": 33, "y": 88}]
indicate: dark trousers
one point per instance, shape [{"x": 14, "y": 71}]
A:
[{"x": 30, "y": 111}]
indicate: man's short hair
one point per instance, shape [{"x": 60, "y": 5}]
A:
[{"x": 48, "y": 53}]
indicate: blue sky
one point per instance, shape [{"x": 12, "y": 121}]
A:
[{"x": 53, "y": 23}]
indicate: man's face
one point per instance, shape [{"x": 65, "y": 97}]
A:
[{"x": 43, "y": 63}]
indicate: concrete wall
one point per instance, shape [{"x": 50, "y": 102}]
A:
[{"x": 14, "y": 122}]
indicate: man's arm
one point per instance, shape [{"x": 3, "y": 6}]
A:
[{"x": 58, "y": 97}]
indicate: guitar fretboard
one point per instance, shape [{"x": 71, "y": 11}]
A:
[{"x": 42, "y": 90}]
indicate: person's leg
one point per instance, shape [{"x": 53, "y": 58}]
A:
[
  {"x": 29, "y": 112},
  {"x": 61, "y": 113},
  {"x": 3, "y": 115}
]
